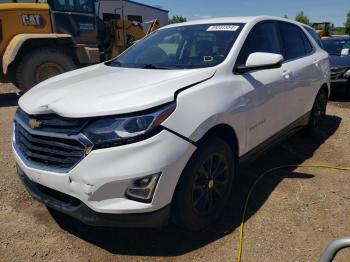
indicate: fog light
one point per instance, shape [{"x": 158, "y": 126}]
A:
[
  {"x": 143, "y": 188},
  {"x": 347, "y": 74}
]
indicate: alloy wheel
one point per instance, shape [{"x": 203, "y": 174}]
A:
[{"x": 210, "y": 184}]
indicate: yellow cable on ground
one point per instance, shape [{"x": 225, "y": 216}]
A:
[{"x": 241, "y": 228}]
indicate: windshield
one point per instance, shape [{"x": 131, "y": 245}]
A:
[
  {"x": 84, "y": 6},
  {"x": 182, "y": 47},
  {"x": 335, "y": 46}
]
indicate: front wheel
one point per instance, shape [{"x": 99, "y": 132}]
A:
[
  {"x": 205, "y": 185},
  {"x": 41, "y": 64},
  {"x": 318, "y": 112}
]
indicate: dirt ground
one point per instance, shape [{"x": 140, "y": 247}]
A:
[{"x": 293, "y": 214}]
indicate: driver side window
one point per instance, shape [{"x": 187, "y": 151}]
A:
[{"x": 262, "y": 38}]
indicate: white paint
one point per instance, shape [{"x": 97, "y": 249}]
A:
[
  {"x": 104, "y": 90},
  {"x": 262, "y": 59}
]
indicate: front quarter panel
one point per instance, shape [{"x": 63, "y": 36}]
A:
[{"x": 216, "y": 101}]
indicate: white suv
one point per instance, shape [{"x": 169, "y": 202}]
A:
[{"x": 159, "y": 131}]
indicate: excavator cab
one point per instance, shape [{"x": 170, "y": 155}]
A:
[
  {"x": 323, "y": 29},
  {"x": 76, "y": 18}
]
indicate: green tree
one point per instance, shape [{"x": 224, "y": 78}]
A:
[
  {"x": 347, "y": 24},
  {"x": 302, "y": 18},
  {"x": 177, "y": 19},
  {"x": 339, "y": 30}
]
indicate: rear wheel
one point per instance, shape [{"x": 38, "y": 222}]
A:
[
  {"x": 318, "y": 112},
  {"x": 204, "y": 186},
  {"x": 42, "y": 64}
]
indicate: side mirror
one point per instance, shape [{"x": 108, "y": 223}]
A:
[
  {"x": 261, "y": 61},
  {"x": 345, "y": 52}
]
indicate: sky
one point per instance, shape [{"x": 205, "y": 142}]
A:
[{"x": 326, "y": 10}]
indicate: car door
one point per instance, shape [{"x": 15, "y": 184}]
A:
[
  {"x": 300, "y": 70},
  {"x": 264, "y": 98}
]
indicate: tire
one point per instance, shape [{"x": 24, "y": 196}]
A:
[
  {"x": 318, "y": 112},
  {"x": 200, "y": 196},
  {"x": 41, "y": 64}
]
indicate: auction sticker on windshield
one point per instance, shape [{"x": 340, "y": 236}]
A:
[{"x": 223, "y": 28}]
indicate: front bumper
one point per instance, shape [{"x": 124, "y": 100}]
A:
[
  {"x": 100, "y": 180},
  {"x": 76, "y": 209}
]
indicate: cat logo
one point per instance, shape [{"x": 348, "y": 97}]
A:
[
  {"x": 32, "y": 20},
  {"x": 33, "y": 123}
]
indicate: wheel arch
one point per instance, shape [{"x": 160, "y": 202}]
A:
[
  {"x": 224, "y": 132},
  {"x": 20, "y": 45},
  {"x": 326, "y": 88}
]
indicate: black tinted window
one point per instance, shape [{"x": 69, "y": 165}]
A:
[
  {"x": 314, "y": 35},
  {"x": 262, "y": 38},
  {"x": 292, "y": 40},
  {"x": 308, "y": 47},
  {"x": 84, "y": 6}
]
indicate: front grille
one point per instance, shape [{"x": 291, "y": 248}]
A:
[
  {"x": 58, "y": 196},
  {"x": 43, "y": 149},
  {"x": 337, "y": 72},
  {"x": 55, "y": 123}
]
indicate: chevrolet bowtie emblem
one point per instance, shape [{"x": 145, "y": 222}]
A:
[{"x": 33, "y": 123}]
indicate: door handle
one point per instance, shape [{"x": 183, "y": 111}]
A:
[
  {"x": 286, "y": 74},
  {"x": 316, "y": 61}
]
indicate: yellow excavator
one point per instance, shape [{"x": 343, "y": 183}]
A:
[
  {"x": 41, "y": 40},
  {"x": 323, "y": 29}
]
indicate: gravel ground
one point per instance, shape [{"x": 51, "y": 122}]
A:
[{"x": 293, "y": 214}]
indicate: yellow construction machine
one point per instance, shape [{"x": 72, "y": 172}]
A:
[
  {"x": 323, "y": 29},
  {"x": 41, "y": 40}
]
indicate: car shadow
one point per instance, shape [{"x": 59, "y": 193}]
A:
[
  {"x": 8, "y": 99},
  {"x": 171, "y": 241}
]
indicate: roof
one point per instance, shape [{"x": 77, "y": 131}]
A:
[
  {"x": 235, "y": 19},
  {"x": 149, "y": 6}
]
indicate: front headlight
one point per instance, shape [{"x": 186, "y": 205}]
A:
[{"x": 115, "y": 130}]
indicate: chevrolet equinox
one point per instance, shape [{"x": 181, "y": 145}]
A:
[{"x": 158, "y": 132}]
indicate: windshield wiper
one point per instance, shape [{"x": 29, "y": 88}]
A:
[
  {"x": 152, "y": 66},
  {"x": 114, "y": 63}
]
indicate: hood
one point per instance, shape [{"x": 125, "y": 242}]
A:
[
  {"x": 339, "y": 61},
  {"x": 101, "y": 90}
]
